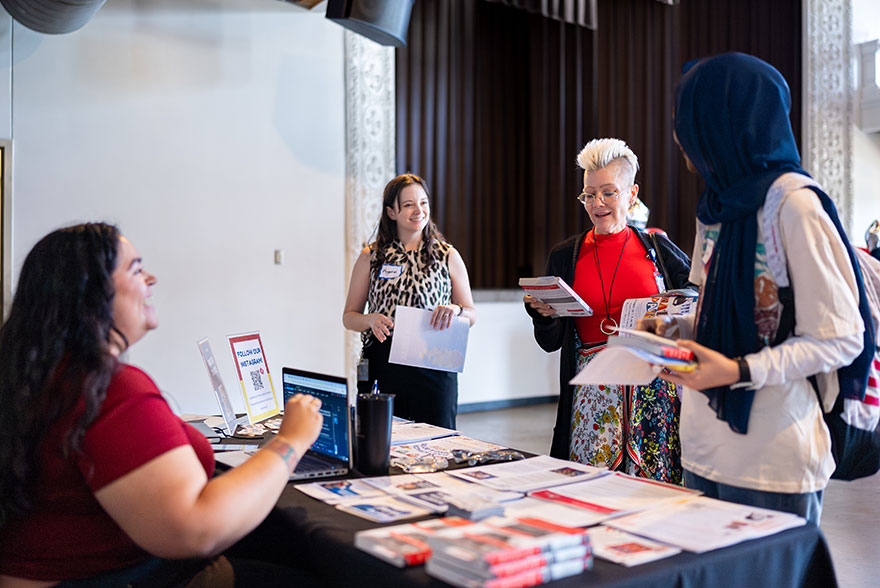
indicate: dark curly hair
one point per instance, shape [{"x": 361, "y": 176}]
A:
[
  {"x": 61, "y": 321},
  {"x": 386, "y": 233}
]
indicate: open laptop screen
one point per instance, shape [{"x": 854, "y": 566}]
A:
[{"x": 333, "y": 392}]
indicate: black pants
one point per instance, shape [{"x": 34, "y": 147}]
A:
[{"x": 420, "y": 394}]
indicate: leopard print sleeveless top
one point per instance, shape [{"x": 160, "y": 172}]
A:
[{"x": 404, "y": 280}]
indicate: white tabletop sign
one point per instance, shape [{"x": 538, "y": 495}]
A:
[
  {"x": 253, "y": 373},
  {"x": 217, "y": 384}
]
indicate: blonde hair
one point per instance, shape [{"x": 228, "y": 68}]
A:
[{"x": 600, "y": 153}]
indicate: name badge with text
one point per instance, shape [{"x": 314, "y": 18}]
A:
[{"x": 389, "y": 272}]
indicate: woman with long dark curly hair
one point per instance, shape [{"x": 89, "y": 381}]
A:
[
  {"x": 100, "y": 479},
  {"x": 409, "y": 264}
]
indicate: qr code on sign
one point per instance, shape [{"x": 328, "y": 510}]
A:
[{"x": 257, "y": 380}]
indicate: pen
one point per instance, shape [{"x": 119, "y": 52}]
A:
[{"x": 375, "y": 387}]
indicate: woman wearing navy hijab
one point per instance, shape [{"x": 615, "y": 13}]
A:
[{"x": 779, "y": 298}]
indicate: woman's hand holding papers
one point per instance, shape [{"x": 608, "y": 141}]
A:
[
  {"x": 542, "y": 308},
  {"x": 665, "y": 326},
  {"x": 443, "y": 315},
  {"x": 713, "y": 368}
]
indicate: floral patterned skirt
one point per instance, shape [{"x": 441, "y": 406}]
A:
[{"x": 633, "y": 428}]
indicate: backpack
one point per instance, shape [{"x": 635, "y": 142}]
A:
[{"x": 853, "y": 423}]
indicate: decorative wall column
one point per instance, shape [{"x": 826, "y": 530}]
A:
[
  {"x": 829, "y": 90},
  {"x": 369, "y": 145}
]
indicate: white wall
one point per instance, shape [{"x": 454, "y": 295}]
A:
[
  {"x": 212, "y": 135},
  {"x": 866, "y": 147},
  {"x": 503, "y": 361}
]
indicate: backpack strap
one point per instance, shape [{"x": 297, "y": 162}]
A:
[{"x": 770, "y": 221}]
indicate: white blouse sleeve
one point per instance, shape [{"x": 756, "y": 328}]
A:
[{"x": 828, "y": 327}]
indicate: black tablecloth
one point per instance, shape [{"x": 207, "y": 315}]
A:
[{"x": 305, "y": 532}]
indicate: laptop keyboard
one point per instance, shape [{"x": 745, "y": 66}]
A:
[{"x": 311, "y": 464}]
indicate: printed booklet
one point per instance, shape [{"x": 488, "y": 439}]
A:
[
  {"x": 404, "y": 545},
  {"x": 657, "y": 350},
  {"x": 554, "y": 291}
]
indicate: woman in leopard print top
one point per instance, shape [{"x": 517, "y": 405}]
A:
[{"x": 409, "y": 264}]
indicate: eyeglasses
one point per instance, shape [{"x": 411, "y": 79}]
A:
[{"x": 606, "y": 196}]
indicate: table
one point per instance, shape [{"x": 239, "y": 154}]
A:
[{"x": 306, "y": 532}]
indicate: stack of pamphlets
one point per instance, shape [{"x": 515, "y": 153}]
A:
[
  {"x": 553, "y": 290},
  {"x": 404, "y": 545},
  {"x": 507, "y": 552},
  {"x": 627, "y": 549},
  {"x": 474, "y": 508},
  {"x": 654, "y": 349}
]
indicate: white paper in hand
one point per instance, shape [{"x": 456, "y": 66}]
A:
[
  {"x": 615, "y": 365},
  {"x": 417, "y": 343}
]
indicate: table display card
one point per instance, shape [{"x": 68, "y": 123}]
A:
[{"x": 253, "y": 374}]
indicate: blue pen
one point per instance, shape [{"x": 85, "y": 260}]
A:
[{"x": 375, "y": 389}]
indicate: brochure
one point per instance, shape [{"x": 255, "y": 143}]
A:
[
  {"x": 554, "y": 291},
  {"x": 671, "y": 303},
  {"x": 616, "y": 494},
  {"x": 663, "y": 347},
  {"x": 627, "y": 549},
  {"x": 442, "y": 448},
  {"x": 555, "y": 512},
  {"x": 703, "y": 524},
  {"x": 435, "y": 491},
  {"x": 403, "y": 432},
  {"x": 533, "y": 473},
  {"x": 338, "y": 491},
  {"x": 382, "y": 509},
  {"x": 403, "y": 545}
]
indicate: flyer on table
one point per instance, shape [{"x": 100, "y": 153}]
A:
[{"x": 253, "y": 374}]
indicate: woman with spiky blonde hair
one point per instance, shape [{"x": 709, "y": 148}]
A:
[{"x": 630, "y": 428}]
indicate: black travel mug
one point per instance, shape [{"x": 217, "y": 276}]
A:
[{"x": 374, "y": 415}]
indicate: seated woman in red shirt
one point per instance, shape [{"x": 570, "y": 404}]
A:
[{"x": 100, "y": 478}]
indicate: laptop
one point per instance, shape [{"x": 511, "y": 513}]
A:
[{"x": 330, "y": 455}]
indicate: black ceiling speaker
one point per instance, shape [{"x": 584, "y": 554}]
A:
[
  {"x": 52, "y": 16},
  {"x": 383, "y": 21}
]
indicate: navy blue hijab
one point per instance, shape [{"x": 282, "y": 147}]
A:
[{"x": 731, "y": 119}]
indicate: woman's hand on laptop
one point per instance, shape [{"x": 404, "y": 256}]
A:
[{"x": 301, "y": 424}]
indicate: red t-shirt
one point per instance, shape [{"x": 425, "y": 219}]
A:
[
  {"x": 67, "y": 535},
  {"x": 636, "y": 278}
]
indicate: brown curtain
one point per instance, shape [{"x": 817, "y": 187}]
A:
[
  {"x": 579, "y": 12},
  {"x": 494, "y": 103}
]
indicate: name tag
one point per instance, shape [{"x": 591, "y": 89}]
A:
[{"x": 389, "y": 272}]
